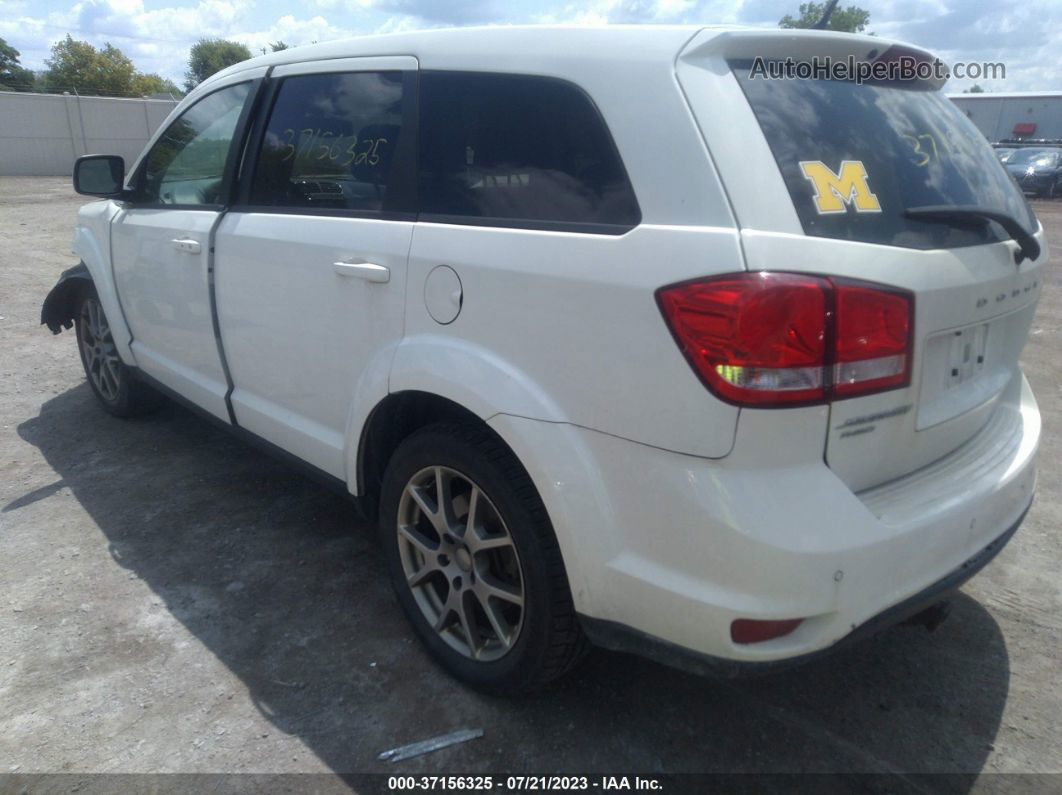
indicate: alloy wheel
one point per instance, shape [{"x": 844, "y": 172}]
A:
[
  {"x": 102, "y": 364},
  {"x": 460, "y": 563}
]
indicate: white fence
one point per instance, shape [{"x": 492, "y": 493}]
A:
[{"x": 42, "y": 134}]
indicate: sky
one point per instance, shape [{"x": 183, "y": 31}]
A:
[{"x": 1025, "y": 35}]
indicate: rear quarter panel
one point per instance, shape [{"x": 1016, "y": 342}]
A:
[{"x": 564, "y": 326}]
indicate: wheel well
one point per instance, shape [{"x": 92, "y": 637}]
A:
[
  {"x": 60, "y": 305},
  {"x": 393, "y": 420}
]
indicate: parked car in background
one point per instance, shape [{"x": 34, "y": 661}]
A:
[
  {"x": 619, "y": 342},
  {"x": 1037, "y": 171},
  {"x": 1003, "y": 152}
]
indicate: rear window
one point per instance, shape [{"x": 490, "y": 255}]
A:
[
  {"x": 855, "y": 157},
  {"x": 1033, "y": 157},
  {"x": 516, "y": 150}
]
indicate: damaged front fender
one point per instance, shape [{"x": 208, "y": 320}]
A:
[{"x": 61, "y": 303}]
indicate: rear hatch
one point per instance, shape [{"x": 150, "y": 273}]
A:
[{"x": 822, "y": 183}]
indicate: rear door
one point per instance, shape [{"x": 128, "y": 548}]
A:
[
  {"x": 160, "y": 245},
  {"x": 311, "y": 263},
  {"x": 824, "y": 188}
]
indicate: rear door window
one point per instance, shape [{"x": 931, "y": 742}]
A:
[
  {"x": 330, "y": 142},
  {"x": 517, "y": 150},
  {"x": 855, "y": 157}
]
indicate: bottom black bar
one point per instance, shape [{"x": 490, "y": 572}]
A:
[{"x": 398, "y": 783}]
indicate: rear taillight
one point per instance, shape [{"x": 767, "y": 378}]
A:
[
  {"x": 872, "y": 340},
  {"x": 783, "y": 339}
]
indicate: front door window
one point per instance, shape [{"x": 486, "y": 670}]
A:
[{"x": 186, "y": 165}]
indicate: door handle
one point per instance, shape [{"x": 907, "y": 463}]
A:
[
  {"x": 187, "y": 245},
  {"x": 368, "y": 271}
]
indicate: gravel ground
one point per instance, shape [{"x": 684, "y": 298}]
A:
[{"x": 173, "y": 601}]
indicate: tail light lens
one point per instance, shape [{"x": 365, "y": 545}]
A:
[
  {"x": 872, "y": 343},
  {"x": 784, "y": 339}
]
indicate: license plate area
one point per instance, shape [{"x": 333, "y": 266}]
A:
[
  {"x": 966, "y": 355},
  {"x": 963, "y": 368}
]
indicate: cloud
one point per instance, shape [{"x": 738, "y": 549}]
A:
[
  {"x": 1023, "y": 36},
  {"x": 765, "y": 12},
  {"x": 292, "y": 31},
  {"x": 1021, "y": 33},
  {"x": 631, "y": 12},
  {"x": 454, "y": 12},
  {"x": 158, "y": 40}
]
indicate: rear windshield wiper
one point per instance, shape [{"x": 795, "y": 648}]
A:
[{"x": 1030, "y": 249}]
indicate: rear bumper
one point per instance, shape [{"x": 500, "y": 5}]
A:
[
  {"x": 665, "y": 551},
  {"x": 617, "y": 637}
]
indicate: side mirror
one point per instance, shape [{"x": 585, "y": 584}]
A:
[{"x": 100, "y": 175}]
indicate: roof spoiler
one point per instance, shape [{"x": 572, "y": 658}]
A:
[{"x": 802, "y": 45}]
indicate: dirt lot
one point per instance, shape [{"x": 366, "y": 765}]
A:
[{"x": 172, "y": 600}]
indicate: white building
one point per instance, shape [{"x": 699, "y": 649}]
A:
[{"x": 1017, "y": 114}]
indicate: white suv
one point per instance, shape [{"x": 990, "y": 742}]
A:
[{"x": 623, "y": 341}]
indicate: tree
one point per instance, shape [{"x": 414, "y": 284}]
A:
[
  {"x": 212, "y": 55},
  {"x": 147, "y": 84},
  {"x": 12, "y": 74},
  {"x": 974, "y": 89},
  {"x": 275, "y": 46},
  {"x": 848, "y": 20},
  {"x": 78, "y": 66}
]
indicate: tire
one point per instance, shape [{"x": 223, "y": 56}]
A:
[
  {"x": 444, "y": 573},
  {"x": 112, "y": 382}
]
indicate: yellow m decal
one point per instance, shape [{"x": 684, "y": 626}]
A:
[{"x": 834, "y": 191}]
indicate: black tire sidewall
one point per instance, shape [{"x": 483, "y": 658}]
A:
[{"x": 518, "y": 669}]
